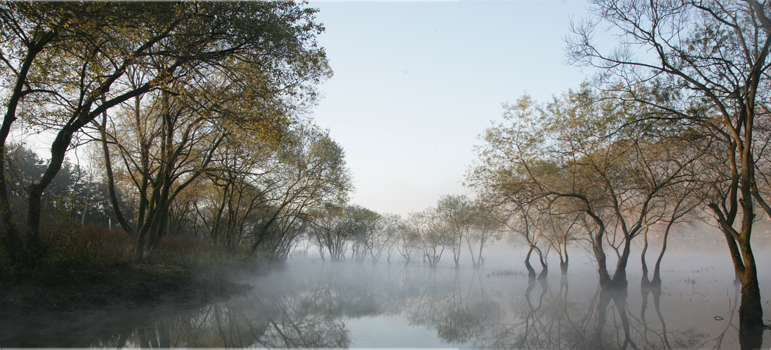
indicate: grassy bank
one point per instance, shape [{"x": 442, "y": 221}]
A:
[{"x": 90, "y": 268}]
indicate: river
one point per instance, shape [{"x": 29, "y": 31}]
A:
[{"x": 309, "y": 303}]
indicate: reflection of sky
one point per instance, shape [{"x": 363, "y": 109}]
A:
[{"x": 391, "y": 331}]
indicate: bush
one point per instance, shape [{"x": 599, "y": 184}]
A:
[
  {"x": 182, "y": 250},
  {"x": 68, "y": 247},
  {"x": 89, "y": 247}
]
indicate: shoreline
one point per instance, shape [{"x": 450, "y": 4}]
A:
[
  {"x": 85, "y": 308},
  {"x": 122, "y": 287}
]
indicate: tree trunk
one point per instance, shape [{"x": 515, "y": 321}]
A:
[
  {"x": 456, "y": 255},
  {"x": 645, "y": 281},
  {"x": 544, "y": 266},
  {"x": 619, "y": 276},
  {"x": 656, "y": 281},
  {"x": 599, "y": 254},
  {"x": 11, "y": 236},
  {"x": 111, "y": 180},
  {"x": 480, "y": 260},
  {"x": 471, "y": 251},
  {"x": 58, "y": 150},
  {"x": 530, "y": 269},
  {"x": 564, "y": 265},
  {"x": 751, "y": 309}
]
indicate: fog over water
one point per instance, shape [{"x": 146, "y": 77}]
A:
[{"x": 309, "y": 303}]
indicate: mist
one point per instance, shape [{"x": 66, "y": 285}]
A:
[{"x": 307, "y": 302}]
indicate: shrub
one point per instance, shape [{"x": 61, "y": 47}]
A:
[
  {"x": 89, "y": 247},
  {"x": 183, "y": 250}
]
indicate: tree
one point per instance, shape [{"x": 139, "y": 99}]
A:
[
  {"x": 703, "y": 64},
  {"x": 521, "y": 223},
  {"x": 308, "y": 172},
  {"x": 456, "y": 212},
  {"x": 575, "y": 153},
  {"x": 368, "y": 226},
  {"x": 335, "y": 226},
  {"x": 681, "y": 201},
  {"x": 175, "y": 146},
  {"x": 70, "y": 194},
  {"x": 430, "y": 232},
  {"x": 559, "y": 228},
  {"x": 407, "y": 242},
  {"x": 324, "y": 225},
  {"x": 383, "y": 238},
  {"x": 73, "y": 61},
  {"x": 486, "y": 224}
]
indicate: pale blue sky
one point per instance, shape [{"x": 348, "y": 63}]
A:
[{"x": 416, "y": 82}]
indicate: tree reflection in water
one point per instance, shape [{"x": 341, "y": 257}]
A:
[
  {"x": 309, "y": 304},
  {"x": 458, "y": 309},
  {"x": 602, "y": 321},
  {"x": 283, "y": 313}
]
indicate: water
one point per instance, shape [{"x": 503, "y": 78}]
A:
[{"x": 314, "y": 304}]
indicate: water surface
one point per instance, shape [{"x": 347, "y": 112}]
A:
[{"x": 310, "y": 303}]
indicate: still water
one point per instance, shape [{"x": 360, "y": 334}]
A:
[{"x": 309, "y": 303}]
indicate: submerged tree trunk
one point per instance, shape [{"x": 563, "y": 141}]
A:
[
  {"x": 480, "y": 260},
  {"x": 645, "y": 282},
  {"x": 751, "y": 309},
  {"x": 619, "y": 276},
  {"x": 544, "y": 266},
  {"x": 750, "y": 314},
  {"x": 471, "y": 252},
  {"x": 564, "y": 263},
  {"x": 530, "y": 269},
  {"x": 656, "y": 281},
  {"x": 599, "y": 252}
]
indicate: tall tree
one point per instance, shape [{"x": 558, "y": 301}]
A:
[
  {"x": 309, "y": 171},
  {"x": 702, "y": 63},
  {"x": 73, "y": 60}
]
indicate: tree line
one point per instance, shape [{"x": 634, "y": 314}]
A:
[
  {"x": 172, "y": 98},
  {"x": 672, "y": 128},
  {"x": 454, "y": 225}
]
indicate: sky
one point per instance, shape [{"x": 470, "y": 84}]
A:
[{"x": 416, "y": 83}]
